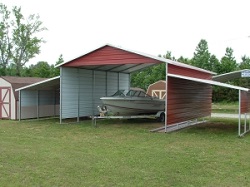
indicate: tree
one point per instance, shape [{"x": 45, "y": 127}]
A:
[
  {"x": 150, "y": 75},
  {"x": 183, "y": 60},
  {"x": 228, "y": 62},
  {"x": 214, "y": 63},
  {"x": 202, "y": 56},
  {"x": 56, "y": 71},
  {"x": 19, "y": 37},
  {"x": 169, "y": 56},
  {"x": 245, "y": 63},
  {"x": 5, "y": 44},
  {"x": 41, "y": 69},
  {"x": 24, "y": 40}
]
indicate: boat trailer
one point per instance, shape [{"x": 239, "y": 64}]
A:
[{"x": 160, "y": 116}]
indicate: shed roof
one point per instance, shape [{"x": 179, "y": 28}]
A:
[
  {"x": 231, "y": 75},
  {"x": 120, "y": 60},
  {"x": 157, "y": 82},
  {"x": 18, "y": 82}
]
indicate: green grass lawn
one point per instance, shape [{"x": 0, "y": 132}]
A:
[
  {"x": 223, "y": 107},
  {"x": 122, "y": 153}
]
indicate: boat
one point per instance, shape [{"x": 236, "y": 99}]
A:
[{"x": 134, "y": 102}]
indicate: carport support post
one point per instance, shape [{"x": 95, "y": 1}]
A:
[
  {"x": 61, "y": 75},
  {"x": 239, "y": 112},
  {"x": 166, "y": 98},
  {"x": 78, "y": 97},
  {"x": 37, "y": 107},
  {"x": 19, "y": 106}
]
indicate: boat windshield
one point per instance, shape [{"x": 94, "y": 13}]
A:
[
  {"x": 119, "y": 93},
  {"x": 135, "y": 93}
]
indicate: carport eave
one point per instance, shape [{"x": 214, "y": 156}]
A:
[
  {"x": 211, "y": 82},
  {"x": 229, "y": 76},
  {"x": 126, "y": 68},
  {"x": 38, "y": 84}
]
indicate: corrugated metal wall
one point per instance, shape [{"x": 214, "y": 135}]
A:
[
  {"x": 244, "y": 102},
  {"x": 187, "y": 100},
  {"x": 177, "y": 70},
  {"x": 35, "y": 104},
  {"x": 86, "y": 87}
]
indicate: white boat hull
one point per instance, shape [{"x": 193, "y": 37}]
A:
[{"x": 133, "y": 106}]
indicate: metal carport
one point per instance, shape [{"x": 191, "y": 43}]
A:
[
  {"x": 102, "y": 71},
  {"x": 244, "y": 95},
  {"x": 40, "y": 99}
]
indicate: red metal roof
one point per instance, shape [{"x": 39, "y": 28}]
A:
[
  {"x": 108, "y": 58},
  {"x": 117, "y": 59}
]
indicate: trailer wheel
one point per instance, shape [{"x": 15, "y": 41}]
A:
[{"x": 162, "y": 117}]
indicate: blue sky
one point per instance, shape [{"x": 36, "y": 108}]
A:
[{"x": 153, "y": 27}]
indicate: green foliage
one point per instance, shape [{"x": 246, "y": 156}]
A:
[
  {"x": 5, "y": 44},
  {"x": 245, "y": 63},
  {"x": 19, "y": 42},
  {"x": 228, "y": 62},
  {"x": 203, "y": 59},
  {"x": 150, "y": 75},
  {"x": 214, "y": 63},
  {"x": 184, "y": 60},
  {"x": 41, "y": 69},
  {"x": 56, "y": 71},
  {"x": 18, "y": 36},
  {"x": 202, "y": 56}
]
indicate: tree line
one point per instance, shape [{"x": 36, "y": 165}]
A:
[
  {"x": 202, "y": 58},
  {"x": 19, "y": 42}
]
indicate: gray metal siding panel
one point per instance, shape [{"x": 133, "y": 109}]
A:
[
  {"x": 112, "y": 83},
  {"x": 29, "y": 98},
  {"x": 46, "y": 97},
  {"x": 29, "y": 101},
  {"x": 69, "y": 92},
  {"x": 100, "y": 89},
  {"x": 91, "y": 85},
  {"x": 28, "y": 104},
  {"x": 124, "y": 81},
  {"x": 86, "y": 92}
]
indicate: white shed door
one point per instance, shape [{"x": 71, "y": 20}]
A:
[
  {"x": 161, "y": 94},
  {"x": 5, "y": 103}
]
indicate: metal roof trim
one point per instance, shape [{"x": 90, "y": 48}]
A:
[
  {"x": 37, "y": 83},
  {"x": 209, "y": 82}
]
